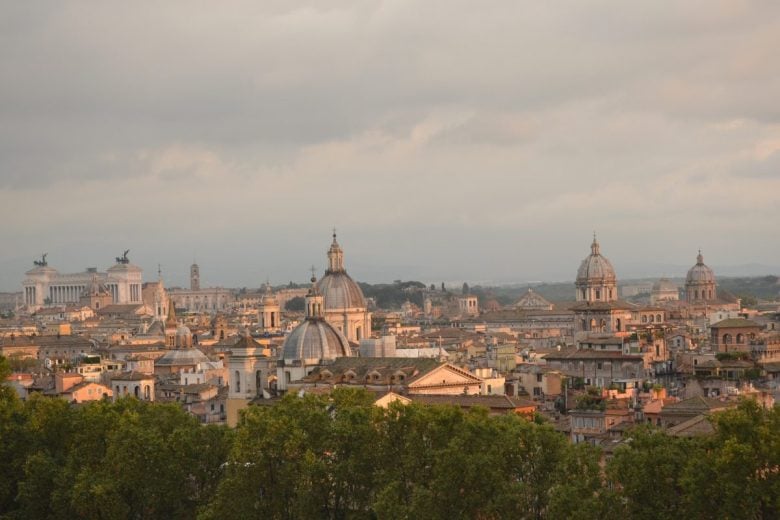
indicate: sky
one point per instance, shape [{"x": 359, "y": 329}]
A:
[{"x": 445, "y": 140}]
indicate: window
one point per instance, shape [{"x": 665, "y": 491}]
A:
[
  {"x": 238, "y": 381},
  {"x": 538, "y": 378},
  {"x": 537, "y": 391},
  {"x": 599, "y": 366},
  {"x": 598, "y": 294}
]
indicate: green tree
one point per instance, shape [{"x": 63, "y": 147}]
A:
[
  {"x": 296, "y": 304},
  {"x": 739, "y": 477},
  {"x": 579, "y": 492},
  {"x": 647, "y": 472}
]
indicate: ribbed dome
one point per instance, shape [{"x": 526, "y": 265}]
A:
[
  {"x": 595, "y": 268},
  {"x": 314, "y": 341},
  {"x": 182, "y": 357},
  {"x": 340, "y": 291},
  {"x": 700, "y": 273}
]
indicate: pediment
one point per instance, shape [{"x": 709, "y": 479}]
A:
[{"x": 446, "y": 374}]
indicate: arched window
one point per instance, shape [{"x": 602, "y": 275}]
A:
[
  {"x": 137, "y": 391},
  {"x": 644, "y": 318},
  {"x": 652, "y": 319},
  {"x": 710, "y": 296},
  {"x": 603, "y": 326},
  {"x": 147, "y": 392},
  {"x": 658, "y": 318},
  {"x": 617, "y": 324},
  {"x": 740, "y": 338},
  {"x": 697, "y": 294},
  {"x": 592, "y": 324},
  {"x": 238, "y": 381},
  {"x": 727, "y": 339}
]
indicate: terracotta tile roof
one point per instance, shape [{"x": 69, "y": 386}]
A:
[
  {"x": 467, "y": 401},
  {"x": 592, "y": 354},
  {"x": 734, "y": 322}
]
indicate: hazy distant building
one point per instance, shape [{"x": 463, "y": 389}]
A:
[
  {"x": 197, "y": 299},
  {"x": 664, "y": 290},
  {"x": 45, "y": 285},
  {"x": 468, "y": 305},
  {"x": 194, "y": 277},
  {"x": 533, "y": 301}
]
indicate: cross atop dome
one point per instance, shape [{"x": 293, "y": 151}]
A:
[{"x": 594, "y": 247}]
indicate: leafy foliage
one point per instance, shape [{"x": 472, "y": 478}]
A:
[{"x": 338, "y": 456}]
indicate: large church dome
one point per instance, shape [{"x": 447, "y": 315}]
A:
[
  {"x": 337, "y": 287},
  {"x": 341, "y": 291},
  {"x": 700, "y": 273},
  {"x": 314, "y": 340},
  {"x": 595, "y": 268}
]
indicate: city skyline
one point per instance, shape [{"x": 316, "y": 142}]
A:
[
  {"x": 485, "y": 148},
  {"x": 175, "y": 275}
]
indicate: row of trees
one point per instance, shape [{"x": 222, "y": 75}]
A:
[{"x": 339, "y": 456}]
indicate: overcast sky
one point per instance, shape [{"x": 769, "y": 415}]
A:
[{"x": 446, "y": 140}]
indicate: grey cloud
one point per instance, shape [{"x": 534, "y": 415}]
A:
[{"x": 482, "y": 123}]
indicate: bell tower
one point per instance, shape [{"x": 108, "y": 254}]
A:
[{"x": 194, "y": 277}]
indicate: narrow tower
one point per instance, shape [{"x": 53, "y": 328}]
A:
[{"x": 194, "y": 277}]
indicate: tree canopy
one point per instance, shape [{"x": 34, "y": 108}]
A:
[{"x": 338, "y": 456}]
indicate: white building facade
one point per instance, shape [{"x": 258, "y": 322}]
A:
[{"x": 44, "y": 285}]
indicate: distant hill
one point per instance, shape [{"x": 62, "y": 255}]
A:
[{"x": 761, "y": 287}]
